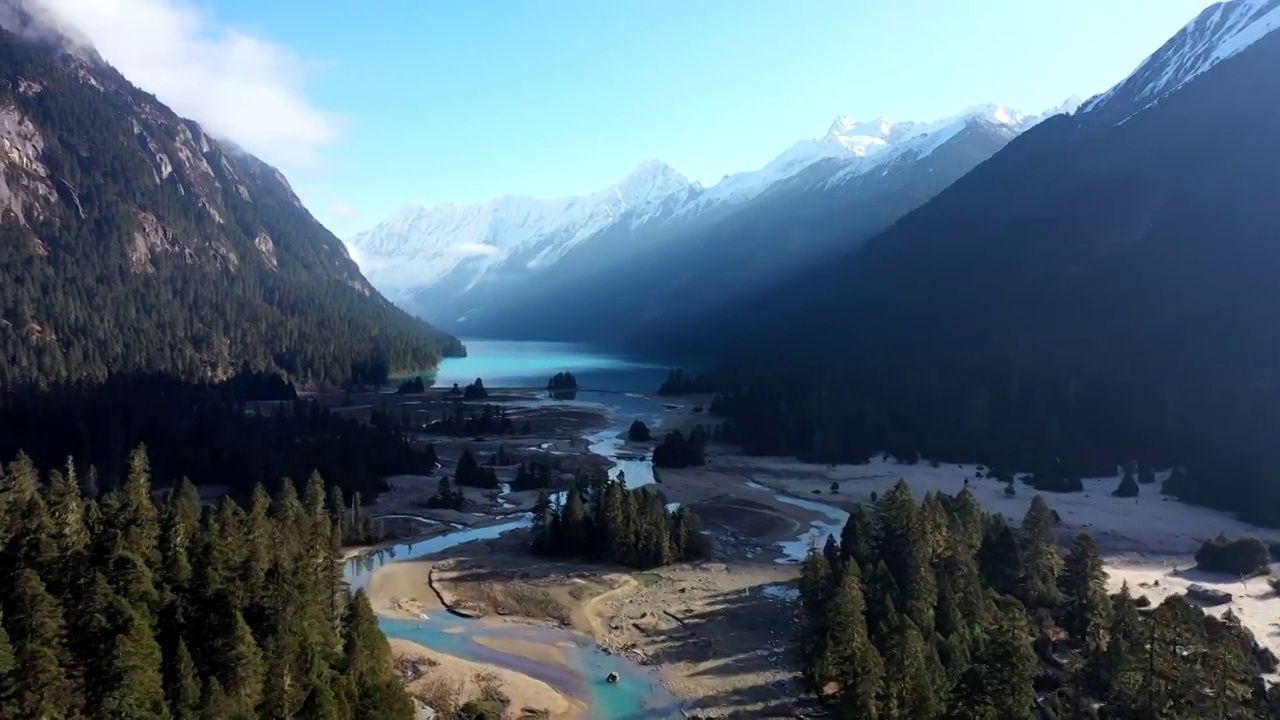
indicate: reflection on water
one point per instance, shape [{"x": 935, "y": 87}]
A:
[{"x": 505, "y": 363}]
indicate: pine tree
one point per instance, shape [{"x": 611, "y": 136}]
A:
[
  {"x": 999, "y": 559},
  {"x": 239, "y": 664},
  {"x": 1086, "y": 608},
  {"x": 8, "y": 677},
  {"x": 35, "y": 625},
  {"x": 1009, "y": 661},
  {"x": 215, "y": 704},
  {"x": 851, "y": 659},
  {"x": 134, "y": 513},
  {"x": 136, "y": 686},
  {"x": 916, "y": 688},
  {"x": 182, "y": 686},
  {"x": 371, "y": 689},
  {"x": 320, "y": 704},
  {"x": 66, "y": 511},
  {"x": 904, "y": 548},
  {"x": 815, "y": 588},
  {"x": 857, "y": 538},
  {"x": 1041, "y": 563}
]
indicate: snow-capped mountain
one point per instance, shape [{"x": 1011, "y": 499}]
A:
[
  {"x": 1219, "y": 32},
  {"x": 417, "y": 247},
  {"x": 430, "y": 257}
]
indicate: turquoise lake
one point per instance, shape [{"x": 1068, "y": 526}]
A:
[{"x": 502, "y": 363}]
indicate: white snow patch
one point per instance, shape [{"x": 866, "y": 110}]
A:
[{"x": 781, "y": 593}]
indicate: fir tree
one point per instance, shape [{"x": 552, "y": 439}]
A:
[
  {"x": 182, "y": 686},
  {"x": 851, "y": 659},
  {"x": 8, "y": 677},
  {"x": 1041, "y": 563},
  {"x": 35, "y": 623},
  {"x": 136, "y": 686},
  {"x": 815, "y": 590}
]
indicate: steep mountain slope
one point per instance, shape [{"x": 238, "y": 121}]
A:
[
  {"x": 1099, "y": 289},
  {"x": 1219, "y": 32},
  {"x": 131, "y": 240},
  {"x": 593, "y": 268}
]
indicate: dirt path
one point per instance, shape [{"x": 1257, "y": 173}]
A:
[{"x": 587, "y": 616}]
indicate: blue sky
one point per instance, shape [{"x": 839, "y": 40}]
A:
[{"x": 431, "y": 101}]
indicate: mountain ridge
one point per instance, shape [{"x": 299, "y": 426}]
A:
[
  {"x": 131, "y": 240},
  {"x": 437, "y": 257}
]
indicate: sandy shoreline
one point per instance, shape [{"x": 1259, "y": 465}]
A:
[{"x": 462, "y": 679}]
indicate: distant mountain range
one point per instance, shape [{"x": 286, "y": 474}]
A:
[
  {"x": 1140, "y": 177},
  {"x": 1102, "y": 288},
  {"x": 596, "y": 266}
]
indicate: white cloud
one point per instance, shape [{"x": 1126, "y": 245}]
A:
[
  {"x": 470, "y": 250},
  {"x": 344, "y": 211},
  {"x": 240, "y": 87}
]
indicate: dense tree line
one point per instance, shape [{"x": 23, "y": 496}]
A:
[
  {"x": 1057, "y": 429},
  {"x": 82, "y": 297},
  {"x": 601, "y": 519},
  {"x": 935, "y": 609},
  {"x": 121, "y": 608},
  {"x": 678, "y": 451},
  {"x": 208, "y": 433}
]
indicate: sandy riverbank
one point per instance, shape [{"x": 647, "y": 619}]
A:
[
  {"x": 719, "y": 632},
  {"x": 446, "y": 676}
]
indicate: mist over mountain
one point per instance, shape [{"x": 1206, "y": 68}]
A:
[{"x": 599, "y": 267}]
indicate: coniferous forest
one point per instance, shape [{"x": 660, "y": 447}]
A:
[
  {"x": 191, "y": 265},
  {"x": 601, "y": 519},
  {"x": 211, "y": 434},
  {"x": 947, "y": 409},
  {"x": 117, "y": 607},
  {"x": 935, "y": 609}
]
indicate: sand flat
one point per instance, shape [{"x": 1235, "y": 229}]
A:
[{"x": 463, "y": 677}]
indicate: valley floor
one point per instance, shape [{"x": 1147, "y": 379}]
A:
[{"x": 720, "y": 633}]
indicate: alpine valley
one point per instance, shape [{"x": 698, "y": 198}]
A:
[{"x": 600, "y": 266}]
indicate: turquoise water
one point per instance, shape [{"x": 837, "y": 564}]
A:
[
  {"x": 637, "y": 695},
  {"x": 502, "y": 363}
]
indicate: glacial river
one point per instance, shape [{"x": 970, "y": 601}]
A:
[
  {"x": 616, "y": 385},
  {"x": 638, "y": 695}
]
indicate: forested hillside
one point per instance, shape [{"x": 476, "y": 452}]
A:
[
  {"x": 130, "y": 240},
  {"x": 213, "y": 435},
  {"x": 116, "y": 608},
  {"x": 1095, "y": 293}
]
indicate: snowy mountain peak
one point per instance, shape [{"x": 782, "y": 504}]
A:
[
  {"x": 1219, "y": 32},
  {"x": 651, "y": 180}
]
